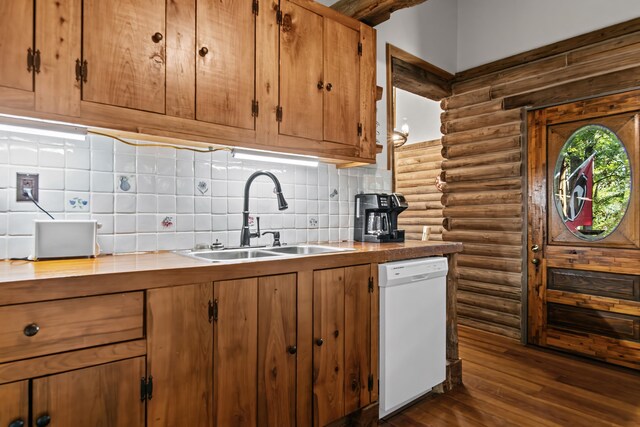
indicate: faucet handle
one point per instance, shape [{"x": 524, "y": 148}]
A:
[{"x": 276, "y": 237}]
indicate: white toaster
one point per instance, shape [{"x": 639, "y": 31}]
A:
[{"x": 65, "y": 239}]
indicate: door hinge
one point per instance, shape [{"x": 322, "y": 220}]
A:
[
  {"x": 256, "y": 7},
  {"x": 81, "y": 71},
  {"x": 370, "y": 382},
  {"x": 146, "y": 388},
  {"x": 279, "y": 16},
  {"x": 370, "y": 284},
  {"x": 255, "y": 108},
  {"x": 30, "y": 60},
  {"x": 210, "y": 311},
  {"x": 359, "y": 129},
  {"x": 278, "y": 113},
  {"x": 359, "y": 48},
  {"x": 33, "y": 60}
]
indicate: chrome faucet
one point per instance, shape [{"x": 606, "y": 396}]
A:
[{"x": 246, "y": 234}]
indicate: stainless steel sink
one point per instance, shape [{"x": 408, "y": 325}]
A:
[
  {"x": 254, "y": 254},
  {"x": 307, "y": 250}
]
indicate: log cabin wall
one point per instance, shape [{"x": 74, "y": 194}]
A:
[
  {"x": 416, "y": 168},
  {"x": 484, "y": 128}
]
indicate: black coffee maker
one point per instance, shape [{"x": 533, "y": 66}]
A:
[{"x": 376, "y": 217}]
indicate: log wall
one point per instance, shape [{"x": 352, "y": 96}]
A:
[
  {"x": 416, "y": 167},
  {"x": 483, "y": 126}
]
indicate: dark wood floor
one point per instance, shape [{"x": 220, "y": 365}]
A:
[{"x": 507, "y": 384}]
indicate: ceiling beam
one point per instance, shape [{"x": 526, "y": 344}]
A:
[{"x": 372, "y": 12}]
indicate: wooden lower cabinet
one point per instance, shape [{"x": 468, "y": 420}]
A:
[
  {"x": 102, "y": 396},
  {"x": 14, "y": 403}
]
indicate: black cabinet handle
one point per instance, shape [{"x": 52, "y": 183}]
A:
[
  {"x": 43, "y": 421},
  {"x": 157, "y": 37},
  {"x": 17, "y": 423},
  {"x": 31, "y": 330},
  {"x": 203, "y": 51},
  {"x": 292, "y": 349},
  {"x": 319, "y": 342},
  {"x": 329, "y": 87}
]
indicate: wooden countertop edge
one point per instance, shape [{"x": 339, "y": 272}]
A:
[{"x": 155, "y": 270}]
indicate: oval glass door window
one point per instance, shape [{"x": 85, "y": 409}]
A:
[{"x": 592, "y": 182}]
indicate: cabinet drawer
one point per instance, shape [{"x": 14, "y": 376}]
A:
[{"x": 30, "y": 330}]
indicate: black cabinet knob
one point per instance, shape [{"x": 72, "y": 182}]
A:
[
  {"x": 203, "y": 51},
  {"x": 329, "y": 87},
  {"x": 31, "y": 330},
  {"x": 43, "y": 421},
  {"x": 157, "y": 37},
  {"x": 320, "y": 85},
  {"x": 319, "y": 342},
  {"x": 17, "y": 423},
  {"x": 292, "y": 349}
]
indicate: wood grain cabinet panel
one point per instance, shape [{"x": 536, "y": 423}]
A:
[
  {"x": 16, "y": 38},
  {"x": 226, "y": 44},
  {"x": 101, "y": 396},
  {"x": 30, "y": 330},
  {"x": 180, "y": 356},
  {"x": 14, "y": 403},
  {"x": 124, "y": 46},
  {"x": 235, "y": 352},
  {"x": 342, "y": 77}
]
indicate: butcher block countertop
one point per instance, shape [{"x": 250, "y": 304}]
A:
[{"x": 27, "y": 281}]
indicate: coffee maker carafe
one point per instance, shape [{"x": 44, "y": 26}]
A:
[{"x": 376, "y": 217}]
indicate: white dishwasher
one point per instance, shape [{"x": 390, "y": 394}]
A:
[{"x": 413, "y": 297}]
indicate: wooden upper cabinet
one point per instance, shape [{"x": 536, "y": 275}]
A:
[
  {"x": 342, "y": 77},
  {"x": 225, "y": 67},
  {"x": 14, "y": 403},
  {"x": 103, "y": 395},
  {"x": 124, "y": 46},
  {"x": 16, "y": 40},
  {"x": 301, "y": 72}
]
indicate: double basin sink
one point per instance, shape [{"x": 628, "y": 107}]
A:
[{"x": 255, "y": 254}]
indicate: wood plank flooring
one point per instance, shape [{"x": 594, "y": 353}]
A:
[{"x": 507, "y": 384}]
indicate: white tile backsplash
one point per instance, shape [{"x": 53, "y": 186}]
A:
[{"x": 150, "y": 198}]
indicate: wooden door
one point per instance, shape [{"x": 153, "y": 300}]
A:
[
  {"x": 58, "y": 38},
  {"x": 16, "y": 38},
  {"x": 124, "y": 46},
  {"x": 225, "y": 67},
  {"x": 235, "y": 352},
  {"x": 583, "y": 235},
  {"x": 14, "y": 403},
  {"x": 101, "y": 396},
  {"x": 329, "y": 342},
  {"x": 277, "y": 350},
  {"x": 180, "y": 355},
  {"x": 342, "y": 78},
  {"x": 301, "y": 72}
]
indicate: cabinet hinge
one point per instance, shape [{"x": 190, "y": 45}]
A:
[
  {"x": 359, "y": 129},
  {"x": 29, "y": 60},
  {"x": 255, "y": 108},
  {"x": 146, "y": 388},
  {"x": 359, "y": 48},
  {"x": 81, "y": 71},
  {"x": 370, "y": 382},
  {"x": 370, "y": 284},
  {"x": 256, "y": 7},
  {"x": 33, "y": 60},
  {"x": 279, "y": 16},
  {"x": 278, "y": 113},
  {"x": 210, "y": 311},
  {"x": 214, "y": 310}
]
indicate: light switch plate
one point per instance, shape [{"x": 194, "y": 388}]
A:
[{"x": 26, "y": 180}]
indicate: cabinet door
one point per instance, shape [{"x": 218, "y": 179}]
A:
[
  {"x": 225, "y": 83},
  {"x": 342, "y": 78},
  {"x": 16, "y": 37},
  {"x": 58, "y": 34},
  {"x": 14, "y": 403},
  {"x": 180, "y": 356},
  {"x": 328, "y": 354},
  {"x": 301, "y": 72},
  {"x": 101, "y": 396},
  {"x": 124, "y": 46},
  {"x": 235, "y": 353},
  {"x": 277, "y": 349}
]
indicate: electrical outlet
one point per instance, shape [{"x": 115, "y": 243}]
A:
[{"x": 24, "y": 181}]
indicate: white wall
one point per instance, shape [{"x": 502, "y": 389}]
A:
[
  {"x": 422, "y": 114},
  {"x": 493, "y": 29}
]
